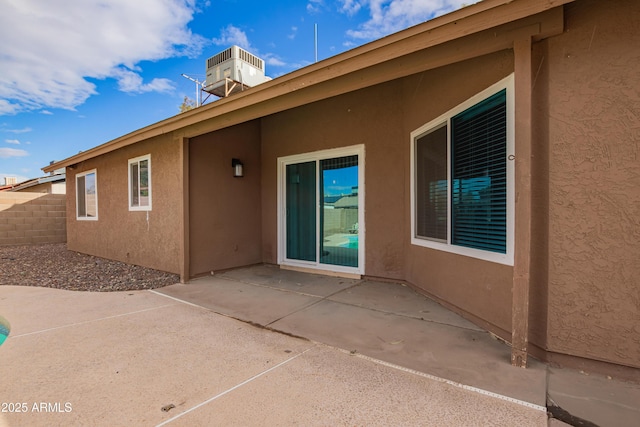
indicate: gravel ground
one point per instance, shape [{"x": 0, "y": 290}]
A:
[{"x": 53, "y": 266}]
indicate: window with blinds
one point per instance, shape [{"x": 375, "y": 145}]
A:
[
  {"x": 461, "y": 178},
  {"x": 479, "y": 175}
]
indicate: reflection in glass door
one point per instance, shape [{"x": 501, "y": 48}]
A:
[
  {"x": 339, "y": 211},
  {"x": 322, "y": 208}
]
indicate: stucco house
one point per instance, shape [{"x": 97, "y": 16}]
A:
[{"x": 495, "y": 151}]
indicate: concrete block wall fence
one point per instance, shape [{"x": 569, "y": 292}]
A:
[{"x": 32, "y": 218}]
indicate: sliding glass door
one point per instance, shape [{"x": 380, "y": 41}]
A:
[
  {"x": 321, "y": 203},
  {"x": 301, "y": 211},
  {"x": 339, "y": 211}
]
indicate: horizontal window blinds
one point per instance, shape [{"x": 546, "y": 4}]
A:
[{"x": 479, "y": 175}]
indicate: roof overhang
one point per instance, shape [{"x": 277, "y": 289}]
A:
[
  {"x": 311, "y": 83},
  {"x": 37, "y": 181}
]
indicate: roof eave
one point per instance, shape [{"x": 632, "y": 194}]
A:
[
  {"x": 462, "y": 22},
  {"x": 37, "y": 181}
]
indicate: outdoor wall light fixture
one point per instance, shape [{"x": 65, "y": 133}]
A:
[{"x": 237, "y": 168}]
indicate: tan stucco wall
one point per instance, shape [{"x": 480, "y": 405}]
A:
[
  {"x": 151, "y": 239},
  {"x": 381, "y": 118},
  {"x": 584, "y": 297},
  {"x": 480, "y": 288},
  {"x": 225, "y": 225},
  {"x": 371, "y": 117},
  {"x": 592, "y": 73}
]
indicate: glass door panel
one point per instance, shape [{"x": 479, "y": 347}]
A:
[
  {"x": 339, "y": 211},
  {"x": 301, "y": 211}
]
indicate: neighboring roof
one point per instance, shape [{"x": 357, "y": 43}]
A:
[
  {"x": 329, "y": 200},
  {"x": 38, "y": 181},
  {"x": 276, "y": 95},
  {"x": 347, "y": 202}
]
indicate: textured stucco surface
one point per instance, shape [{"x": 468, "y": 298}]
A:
[
  {"x": 151, "y": 239},
  {"x": 224, "y": 223},
  {"x": 381, "y": 118},
  {"x": 593, "y": 77},
  {"x": 474, "y": 286},
  {"x": 370, "y": 117}
]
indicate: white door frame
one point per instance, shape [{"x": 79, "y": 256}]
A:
[{"x": 282, "y": 215}]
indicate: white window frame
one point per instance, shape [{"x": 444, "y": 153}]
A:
[
  {"x": 133, "y": 161},
  {"x": 282, "y": 215},
  {"x": 507, "y": 258},
  {"x": 79, "y": 175}
]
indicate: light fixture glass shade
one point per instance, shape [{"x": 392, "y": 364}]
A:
[{"x": 237, "y": 168}]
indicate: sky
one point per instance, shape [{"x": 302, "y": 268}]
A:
[{"x": 75, "y": 74}]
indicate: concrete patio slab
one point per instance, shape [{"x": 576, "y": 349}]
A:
[
  {"x": 351, "y": 391},
  {"x": 387, "y": 321},
  {"x": 204, "y": 369},
  {"x": 290, "y": 280},
  {"x": 238, "y": 299},
  {"x": 373, "y": 352},
  {"x": 393, "y": 323},
  {"x": 463, "y": 355},
  {"x": 585, "y": 395},
  {"x": 121, "y": 370},
  {"x": 401, "y": 300},
  {"x": 54, "y": 308}
]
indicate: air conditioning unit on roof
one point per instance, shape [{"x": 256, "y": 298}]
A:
[{"x": 233, "y": 70}]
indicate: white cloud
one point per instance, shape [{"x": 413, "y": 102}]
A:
[
  {"x": 351, "y": 7},
  {"x": 7, "y": 107},
  {"x": 293, "y": 33},
  {"x": 131, "y": 82},
  {"x": 55, "y": 48},
  {"x": 12, "y": 152},
  {"x": 314, "y": 6},
  {"x": 390, "y": 16},
  {"x": 232, "y": 35},
  {"x": 12, "y": 141},
  {"x": 271, "y": 59},
  {"x": 23, "y": 130}
]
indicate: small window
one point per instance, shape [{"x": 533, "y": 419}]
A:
[
  {"x": 140, "y": 183},
  {"x": 87, "y": 196},
  {"x": 462, "y": 181}
]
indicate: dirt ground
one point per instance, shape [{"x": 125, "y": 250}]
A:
[{"x": 54, "y": 266}]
